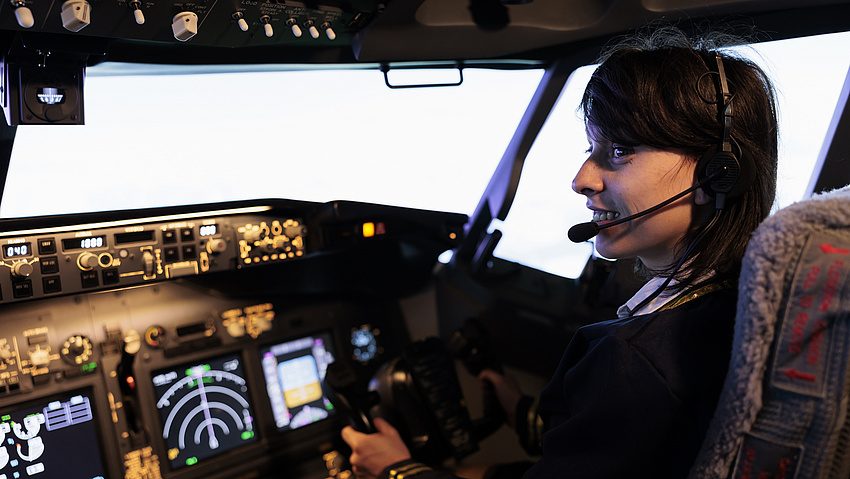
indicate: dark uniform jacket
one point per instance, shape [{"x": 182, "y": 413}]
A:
[{"x": 633, "y": 397}]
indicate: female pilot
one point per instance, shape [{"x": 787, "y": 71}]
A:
[{"x": 634, "y": 396}]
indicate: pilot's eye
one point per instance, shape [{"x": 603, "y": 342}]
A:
[{"x": 618, "y": 152}]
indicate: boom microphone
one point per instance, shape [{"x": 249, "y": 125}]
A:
[{"x": 584, "y": 231}]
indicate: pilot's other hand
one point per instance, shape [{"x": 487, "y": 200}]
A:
[
  {"x": 506, "y": 389},
  {"x": 372, "y": 453}
]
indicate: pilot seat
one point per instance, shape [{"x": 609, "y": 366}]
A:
[{"x": 783, "y": 409}]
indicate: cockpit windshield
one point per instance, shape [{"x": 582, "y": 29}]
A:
[{"x": 158, "y": 136}]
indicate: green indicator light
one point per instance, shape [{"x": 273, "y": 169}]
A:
[
  {"x": 87, "y": 368},
  {"x": 247, "y": 435},
  {"x": 191, "y": 461},
  {"x": 5, "y": 417}
]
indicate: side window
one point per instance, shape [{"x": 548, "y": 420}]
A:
[{"x": 808, "y": 74}]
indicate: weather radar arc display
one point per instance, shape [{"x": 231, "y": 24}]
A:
[{"x": 205, "y": 409}]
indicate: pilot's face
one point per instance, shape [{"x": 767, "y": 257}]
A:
[{"x": 621, "y": 180}]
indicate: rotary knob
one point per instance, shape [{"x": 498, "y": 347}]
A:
[
  {"x": 87, "y": 261},
  {"x": 155, "y": 337},
  {"x": 76, "y": 15},
  {"x": 40, "y": 357},
  {"x": 184, "y": 25},
  {"x": 216, "y": 245},
  {"x": 76, "y": 349},
  {"x": 21, "y": 269}
]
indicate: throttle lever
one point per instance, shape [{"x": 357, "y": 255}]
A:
[
  {"x": 341, "y": 388},
  {"x": 470, "y": 344}
]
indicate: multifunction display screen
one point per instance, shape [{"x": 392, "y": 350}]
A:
[
  {"x": 53, "y": 438},
  {"x": 294, "y": 373},
  {"x": 205, "y": 409}
]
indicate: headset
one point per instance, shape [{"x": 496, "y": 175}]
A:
[{"x": 728, "y": 155}]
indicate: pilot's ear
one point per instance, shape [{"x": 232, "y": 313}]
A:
[{"x": 701, "y": 197}]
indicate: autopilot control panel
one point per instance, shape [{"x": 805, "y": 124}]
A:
[{"x": 194, "y": 343}]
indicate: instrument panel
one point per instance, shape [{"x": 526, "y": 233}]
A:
[
  {"x": 186, "y": 344},
  {"x": 45, "y": 262}
]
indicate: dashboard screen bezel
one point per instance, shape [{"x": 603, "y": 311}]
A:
[
  {"x": 95, "y": 452},
  {"x": 290, "y": 350},
  {"x": 174, "y": 464}
]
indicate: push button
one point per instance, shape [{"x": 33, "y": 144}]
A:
[
  {"x": 22, "y": 289},
  {"x": 172, "y": 254},
  {"x": 169, "y": 236},
  {"x": 49, "y": 265},
  {"x": 89, "y": 279},
  {"x": 110, "y": 276},
  {"x": 46, "y": 246},
  {"x": 190, "y": 252},
  {"x": 187, "y": 234},
  {"x": 52, "y": 284}
]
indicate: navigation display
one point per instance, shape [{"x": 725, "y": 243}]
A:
[
  {"x": 294, "y": 372},
  {"x": 53, "y": 438},
  {"x": 205, "y": 409}
]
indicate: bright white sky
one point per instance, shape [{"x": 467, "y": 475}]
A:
[{"x": 328, "y": 135}]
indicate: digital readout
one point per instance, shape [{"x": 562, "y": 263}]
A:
[
  {"x": 84, "y": 243},
  {"x": 208, "y": 230},
  {"x": 17, "y": 250}
]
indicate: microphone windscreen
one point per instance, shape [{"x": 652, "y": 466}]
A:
[{"x": 582, "y": 232}]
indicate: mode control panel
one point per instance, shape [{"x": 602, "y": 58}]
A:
[{"x": 87, "y": 257}]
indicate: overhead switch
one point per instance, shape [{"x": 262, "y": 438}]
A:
[
  {"x": 240, "y": 20},
  {"x": 311, "y": 27},
  {"x": 293, "y": 25},
  {"x": 136, "y": 5},
  {"x": 184, "y": 25},
  {"x": 329, "y": 31},
  {"x": 76, "y": 15},
  {"x": 267, "y": 26},
  {"x": 23, "y": 14}
]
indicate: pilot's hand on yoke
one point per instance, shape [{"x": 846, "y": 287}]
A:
[
  {"x": 506, "y": 390},
  {"x": 372, "y": 453}
]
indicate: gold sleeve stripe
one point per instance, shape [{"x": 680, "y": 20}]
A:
[{"x": 408, "y": 470}]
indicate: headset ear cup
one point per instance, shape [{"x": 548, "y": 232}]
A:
[{"x": 739, "y": 177}]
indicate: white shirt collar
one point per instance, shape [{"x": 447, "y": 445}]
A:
[{"x": 653, "y": 284}]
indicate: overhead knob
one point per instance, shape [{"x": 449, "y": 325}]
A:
[
  {"x": 216, "y": 245},
  {"x": 132, "y": 342},
  {"x": 21, "y": 269},
  {"x": 136, "y": 5},
  {"x": 295, "y": 230},
  {"x": 293, "y": 25},
  {"x": 253, "y": 234},
  {"x": 184, "y": 25},
  {"x": 40, "y": 357},
  {"x": 76, "y": 15},
  {"x": 23, "y": 14},
  {"x": 87, "y": 261}
]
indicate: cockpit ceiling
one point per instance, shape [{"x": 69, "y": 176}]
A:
[{"x": 352, "y": 31}]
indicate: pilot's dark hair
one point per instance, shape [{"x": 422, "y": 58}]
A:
[{"x": 653, "y": 90}]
